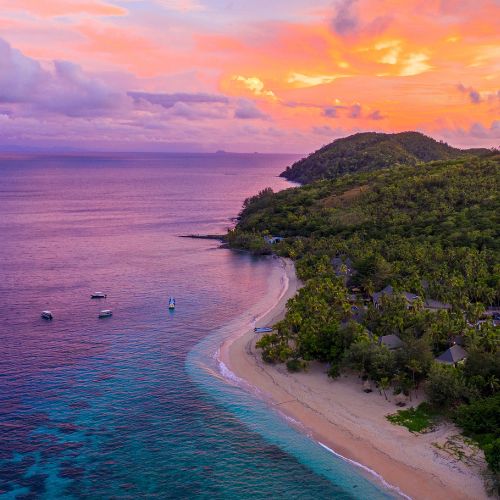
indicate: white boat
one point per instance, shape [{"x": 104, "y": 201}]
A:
[
  {"x": 47, "y": 315},
  {"x": 105, "y": 313},
  {"x": 171, "y": 303},
  {"x": 98, "y": 295}
]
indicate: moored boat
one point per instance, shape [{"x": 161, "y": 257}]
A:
[
  {"x": 98, "y": 295},
  {"x": 47, "y": 315},
  {"x": 264, "y": 329},
  {"x": 105, "y": 313}
]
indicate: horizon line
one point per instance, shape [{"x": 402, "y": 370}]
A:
[{"x": 63, "y": 152}]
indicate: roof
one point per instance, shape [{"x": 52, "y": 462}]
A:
[
  {"x": 452, "y": 355},
  {"x": 389, "y": 290},
  {"x": 273, "y": 239},
  {"x": 458, "y": 339},
  {"x": 435, "y": 304},
  {"x": 338, "y": 262},
  {"x": 391, "y": 341},
  {"x": 410, "y": 297}
]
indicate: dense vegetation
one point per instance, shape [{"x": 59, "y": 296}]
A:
[
  {"x": 369, "y": 151},
  {"x": 432, "y": 230}
]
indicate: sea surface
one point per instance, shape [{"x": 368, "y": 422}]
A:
[{"x": 135, "y": 406}]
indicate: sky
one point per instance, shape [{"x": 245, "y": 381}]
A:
[{"x": 245, "y": 75}]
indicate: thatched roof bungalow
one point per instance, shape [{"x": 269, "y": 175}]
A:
[
  {"x": 391, "y": 342},
  {"x": 452, "y": 356}
]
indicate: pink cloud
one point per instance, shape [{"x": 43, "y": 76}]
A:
[{"x": 51, "y": 8}]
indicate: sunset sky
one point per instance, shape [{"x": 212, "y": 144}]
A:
[{"x": 256, "y": 75}]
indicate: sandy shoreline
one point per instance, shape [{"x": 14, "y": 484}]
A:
[{"x": 340, "y": 416}]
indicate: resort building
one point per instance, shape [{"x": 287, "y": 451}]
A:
[
  {"x": 343, "y": 267},
  {"x": 273, "y": 239},
  {"x": 388, "y": 291},
  {"x": 457, "y": 340},
  {"x": 435, "y": 305},
  {"x": 391, "y": 342},
  {"x": 452, "y": 356}
]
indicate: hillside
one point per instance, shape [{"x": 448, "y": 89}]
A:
[
  {"x": 432, "y": 232},
  {"x": 366, "y": 152},
  {"x": 452, "y": 203},
  {"x": 439, "y": 222}
]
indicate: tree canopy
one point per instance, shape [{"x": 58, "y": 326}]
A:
[
  {"x": 432, "y": 232},
  {"x": 369, "y": 151}
]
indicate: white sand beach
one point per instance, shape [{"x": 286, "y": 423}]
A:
[{"x": 338, "y": 414}]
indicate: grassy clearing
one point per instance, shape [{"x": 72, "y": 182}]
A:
[
  {"x": 461, "y": 448},
  {"x": 420, "y": 419}
]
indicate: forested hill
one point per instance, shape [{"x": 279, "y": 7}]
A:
[
  {"x": 400, "y": 225},
  {"x": 432, "y": 232},
  {"x": 370, "y": 151}
]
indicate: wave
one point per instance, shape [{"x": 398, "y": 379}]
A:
[
  {"x": 211, "y": 347},
  {"x": 367, "y": 469}
]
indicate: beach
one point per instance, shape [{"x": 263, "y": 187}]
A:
[{"x": 351, "y": 423}]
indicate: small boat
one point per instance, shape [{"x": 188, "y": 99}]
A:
[
  {"x": 171, "y": 303},
  {"x": 98, "y": 295},
  {"x": 105, "y": 313},
  {"x": 264, "y": 329},
  {"x": 47, "y": 315}
]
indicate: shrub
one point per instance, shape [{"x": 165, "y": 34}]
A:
[
  {"x": 444, "y": 386},
  {"x": 294, "y": 365},
  {"x": 480, "y": 417},
  {"x": 492, "y": 454}
]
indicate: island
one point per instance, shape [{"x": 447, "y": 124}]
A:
[{"x": 385, "y": 342}]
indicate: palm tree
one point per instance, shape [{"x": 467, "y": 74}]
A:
[
  {"x": 384, "y": 384},
  {"x": 415, "y": 367},
  {"x": 369, "y": 287}
]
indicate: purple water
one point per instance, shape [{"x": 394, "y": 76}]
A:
[{"x": 127, "y": 407}]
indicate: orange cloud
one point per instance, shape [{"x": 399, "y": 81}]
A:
[
  {"x": 406, "y": 73},
  {"x": 376, "y": 64},
  {"x": 254, "y": 85}
]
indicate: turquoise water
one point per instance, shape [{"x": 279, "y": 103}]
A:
[
  {"x": 248, "y": 405},
  {"x": 135, "y": 406}
]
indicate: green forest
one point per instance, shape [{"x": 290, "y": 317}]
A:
[
  {"x": 369, "y": 151},
  {"x": 431, "y": 232}
]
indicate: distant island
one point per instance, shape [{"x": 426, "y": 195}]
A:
[{"x": 396, "y": 238}]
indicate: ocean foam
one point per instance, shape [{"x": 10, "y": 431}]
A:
[
  {"x": 234, "y": 380},
  {"x": 229, "y": 375},
  {"x": 367, "y": 469},
  {"x": 295, "y": 423}
]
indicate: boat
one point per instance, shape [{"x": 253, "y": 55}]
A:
[
  {"x": 105, "y": 313},
  {"x": 264, "y": 329},
  {"x": 98, "y": 295},
  {"x": 47, "y": 315},
  {"x": 171, "y": 303}
]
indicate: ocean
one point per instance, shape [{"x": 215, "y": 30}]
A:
[{"x": 135, "y": 405}]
